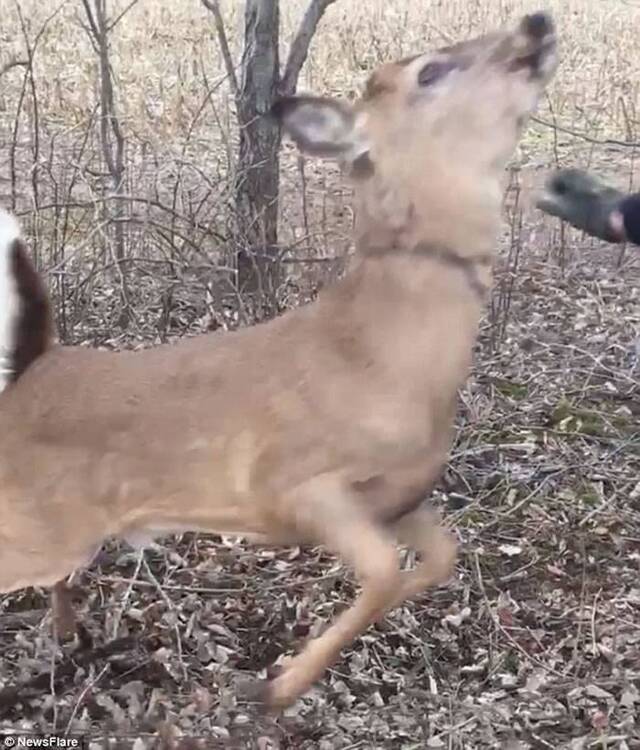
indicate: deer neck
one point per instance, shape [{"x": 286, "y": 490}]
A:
[
  {"x": 400, "y": 210},
  {"x": 417, "y": 261}
]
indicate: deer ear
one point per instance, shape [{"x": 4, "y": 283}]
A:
[{"x": 321, "y": 126}]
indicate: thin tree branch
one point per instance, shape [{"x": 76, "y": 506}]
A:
[
  {"x": 111, "y": 135},
  {"x": 28, "y": 78},
  {"x": 120, "y": 16},
  {"x": 300, "y": 45},
  {"x": 35, "y": 111},
  {"x": 91, "y": 19},
  {"x": 214, "y": 7},
  {"x": 585, "y": 136}
]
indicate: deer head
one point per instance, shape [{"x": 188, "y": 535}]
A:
[{"x": 427, "y": 143}]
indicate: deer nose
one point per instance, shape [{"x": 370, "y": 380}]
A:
[{"x": 537, "y": 25}]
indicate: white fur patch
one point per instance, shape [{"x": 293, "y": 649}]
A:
[{"x": 9, "y": 297}]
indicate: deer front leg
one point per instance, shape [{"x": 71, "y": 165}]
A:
[
  {"x": 397, "y": 499},
  {"x": 423, "y": 532},
  {"x": 325, "y": 510}
]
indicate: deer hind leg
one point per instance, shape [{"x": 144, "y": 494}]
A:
[
  {"x": 64, "y": 619},
  {"x": 65, "y": 623},
  {"x": 326, "y": 511}
]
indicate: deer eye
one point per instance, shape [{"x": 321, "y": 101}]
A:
[{"x": 434, "y": 71}]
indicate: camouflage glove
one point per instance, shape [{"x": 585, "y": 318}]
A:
[
  {"x": 630, "y": 212},
  {"x": 586, "y": 203}
]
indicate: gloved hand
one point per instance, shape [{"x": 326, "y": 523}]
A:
[{"x": 589, "y": 204}]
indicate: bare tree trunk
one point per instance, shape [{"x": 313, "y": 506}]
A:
[
  {"x": 258, "y": 158},
  {"x": 257, "y": 182}
]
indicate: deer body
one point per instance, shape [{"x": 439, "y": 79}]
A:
[
  {"x": 328, "y": 425},
  {"x": 203, "y": 434}
]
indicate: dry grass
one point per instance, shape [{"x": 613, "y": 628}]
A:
[{"x": 536, "y": 644}]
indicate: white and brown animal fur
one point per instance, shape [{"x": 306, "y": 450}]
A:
[{"x": 328, "y": 425}]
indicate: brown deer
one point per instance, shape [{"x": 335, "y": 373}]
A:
[{"x": 328, "y": 425}]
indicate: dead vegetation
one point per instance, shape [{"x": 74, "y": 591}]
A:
[{"x": 536, "y": 643}]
